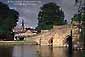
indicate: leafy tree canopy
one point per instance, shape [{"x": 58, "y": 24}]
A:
[
  {"x": 78, "y": 17},
  {"x": 8, "y": 18},
  {"x": 50, "y": 14}
]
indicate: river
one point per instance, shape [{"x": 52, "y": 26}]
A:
[{"x": 37, "y": 51}]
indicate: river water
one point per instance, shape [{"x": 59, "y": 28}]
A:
[{"x": 37, "y": 51}]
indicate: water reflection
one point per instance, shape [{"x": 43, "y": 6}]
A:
[
  {"x": 6, "y": 51},
  {"x": 69, "y": 52},
  {"x": 37, "y": 51},
  {"x": 24, "y": 51},
  {"x": 47, "y": 51},
  {"x": 83, "y": 53}
]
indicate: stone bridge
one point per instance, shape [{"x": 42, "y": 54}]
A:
[{"x": 58, "y": 33}]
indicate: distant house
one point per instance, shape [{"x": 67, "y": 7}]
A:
[{"x": 26, "y": 32}]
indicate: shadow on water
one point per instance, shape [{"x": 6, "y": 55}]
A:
[
  {"x": 69, "y": 52},
  {"x": 75, "y": 53},
  {"x": 6, "y": 51}
]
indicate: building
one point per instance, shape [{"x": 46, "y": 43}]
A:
[{"x": 23, "y": 33}]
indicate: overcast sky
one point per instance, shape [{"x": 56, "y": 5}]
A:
[{"x": 30, "y": 9}]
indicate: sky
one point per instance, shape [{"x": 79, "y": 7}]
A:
[{"x": 29, "y": 9}]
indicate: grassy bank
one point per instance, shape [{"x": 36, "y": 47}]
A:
[{"x": 16, "y": 42}]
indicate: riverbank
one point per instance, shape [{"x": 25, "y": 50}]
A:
[{"x": 16, "y": 42}]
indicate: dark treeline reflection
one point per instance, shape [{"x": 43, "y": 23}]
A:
[{"x": 6, "y": 51}]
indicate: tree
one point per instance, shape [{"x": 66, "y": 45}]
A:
[
  {"x": 76, "y": 17},
  {"x": 8, "y": 20},
  {"x": 79, "y": 17},
  {"x": 49, "y": 15}
]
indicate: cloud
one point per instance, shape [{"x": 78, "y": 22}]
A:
[
  {"x": 23, "y": 2},
  {"x": 68, "y": 8},
  {"x": 30, "y": 12}
]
